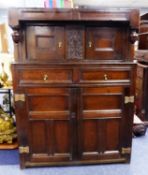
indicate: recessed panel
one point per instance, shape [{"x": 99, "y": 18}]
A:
[
  {"x": 105, "y": 43},
  {"x": 112, "y": 134},
  {"x": 48, "y": 103},
  {"x": 89, "y": 135},
  {"x": 61, "y": 137},
  {"x": 38, "y": 136},
  {"x": 99, "y": 102},
  {"x": 105, "y": 89},
  {"x": 45, "y": 42}
]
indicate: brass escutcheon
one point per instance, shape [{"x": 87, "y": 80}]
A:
[
  {"x": 105, "y": 77},
  {"x": 89, "y": 44},
  {"x": 45, "y": 77},
  {"x": 60, "y": 44}
]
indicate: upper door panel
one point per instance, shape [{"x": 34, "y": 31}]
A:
[
  {"x": 45, "y": 42},
  {"x": 105, "y": 43}
]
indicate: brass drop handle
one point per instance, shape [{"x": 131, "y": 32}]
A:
[
  {"x": 45, "y": 77},
  {"x": 60, "y": 44},
  {"x": 105, "y": 77},
  {"x": 89, "y": 44}
]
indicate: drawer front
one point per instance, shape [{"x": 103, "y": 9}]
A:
[
  {"x": 44, "y": 76},
  {"x": 66, "y": 75},
  {"x": 94, "y": 75}
]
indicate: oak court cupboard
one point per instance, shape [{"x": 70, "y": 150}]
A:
[{"x": 74, "y": 84}]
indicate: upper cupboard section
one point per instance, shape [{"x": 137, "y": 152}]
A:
[{"x": 44, "y": 42}]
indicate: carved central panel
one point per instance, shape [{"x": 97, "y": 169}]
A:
[{"x": 75, "y": 44}]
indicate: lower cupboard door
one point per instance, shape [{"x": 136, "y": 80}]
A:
[
  {"x": 49, "y": 124},
  {"x": 103, "y": 124}
]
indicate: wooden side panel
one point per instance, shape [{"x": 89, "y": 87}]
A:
[
  {"x": 143, "y": 43},
  {"x": 141, "y": 91}
]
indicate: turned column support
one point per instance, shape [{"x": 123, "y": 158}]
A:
[
  {"x": 17, "y": 36},
  {"x": 17, "y": 39}
]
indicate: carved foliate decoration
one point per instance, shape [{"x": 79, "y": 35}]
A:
[
  {"x": 75, "y": 44},
  {"x": 17, "y": 36},
  {"x": 133, "y": 37}
]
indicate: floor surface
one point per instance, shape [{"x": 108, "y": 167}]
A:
[{"x": 9, "y": 164}]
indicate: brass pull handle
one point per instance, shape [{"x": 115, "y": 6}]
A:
[
  {"x": 45, "y": 77},
  {"x": 60, "y": 44},
  {"x": 89, "y": 44},
  {"x": 105, "y": 77}
]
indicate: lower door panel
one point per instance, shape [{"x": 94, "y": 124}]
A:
[
  {"x": 101, "y": 123},
  {"x": 49, "y": 124}
]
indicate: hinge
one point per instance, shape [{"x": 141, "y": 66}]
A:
[
  {"x": 126, "y": 150},
  {"x": 128, "y": 99},
  {"x": 19, "y": 97},
  {"x": 23, "y": 149}
]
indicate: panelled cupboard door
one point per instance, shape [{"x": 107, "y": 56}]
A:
[
  {"x": 106, "y": 43},
  {"x": 101, "y": 123},
  {"x": 50, "y": 127},
  {"x": 45, "y": 42}
]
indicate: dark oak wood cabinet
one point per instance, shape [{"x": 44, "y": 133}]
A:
[
  {"x": 143, "y": 33},
  {"x": 142, "y": 71},
  {"x": 142, "y": 91},
  {"x": 74, "y": 84}
]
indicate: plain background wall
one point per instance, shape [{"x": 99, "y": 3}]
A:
[
  {"x": 117, "y": 3},
  {"x": 110, "y": 3}
]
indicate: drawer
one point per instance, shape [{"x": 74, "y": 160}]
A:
[
  {"x": 42, "y": 76},
  {"x": 105, "y": 75}
]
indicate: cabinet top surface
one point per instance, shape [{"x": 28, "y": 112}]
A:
[{"x": 17, "y": 15}]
